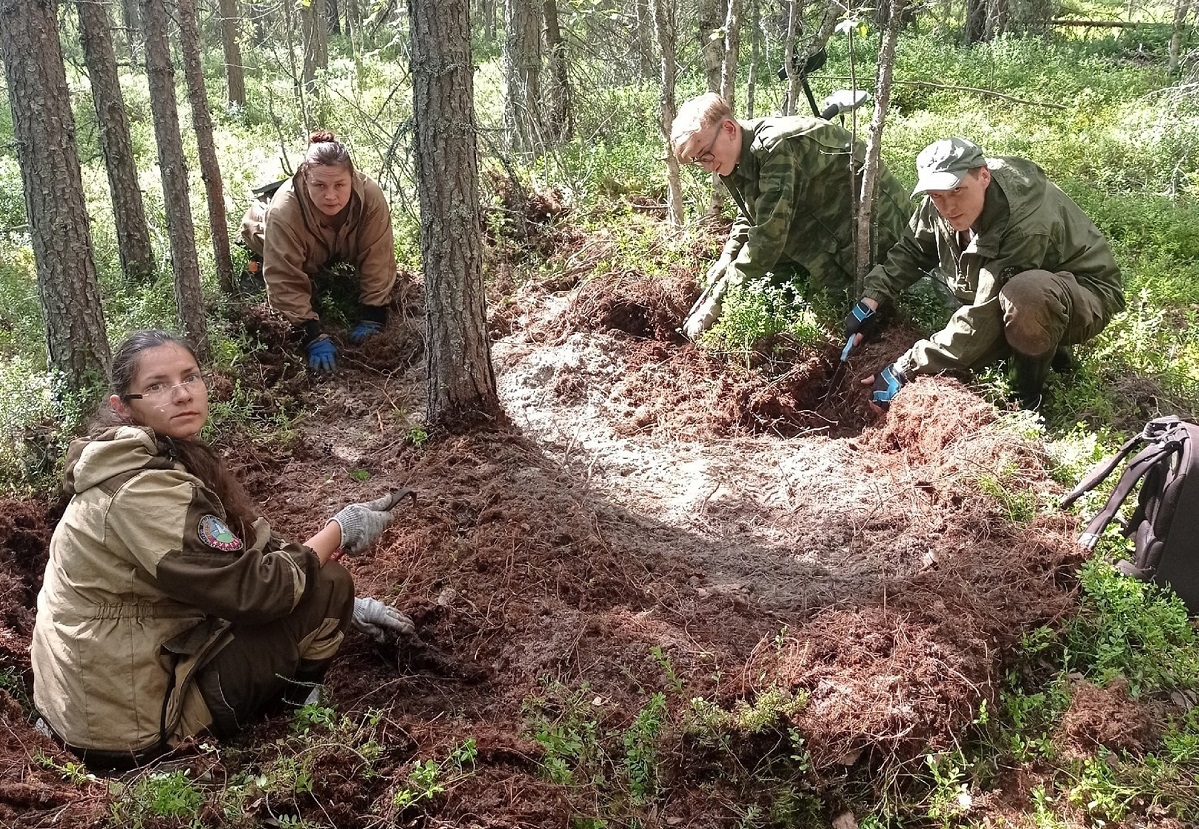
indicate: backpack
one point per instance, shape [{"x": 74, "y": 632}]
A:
[{"x": 1164, "y": 526}]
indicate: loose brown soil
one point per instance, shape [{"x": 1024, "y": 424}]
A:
[{"x": 654, "y": 518}]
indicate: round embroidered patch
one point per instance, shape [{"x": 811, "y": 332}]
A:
[{"x": 216, "y": 533}]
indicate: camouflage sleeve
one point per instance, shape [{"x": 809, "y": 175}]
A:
[
  {"x": 288, "y": 287},
  {"x": 914, "y": 255},
  {"x": 971, "y": 334},
  {"x": 376, "y": 248},
  {"x": 176, "y": 530},
  {"x": 774, "y": 213}
]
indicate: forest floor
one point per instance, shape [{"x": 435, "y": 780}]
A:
[{"x": 653, "y": 518}]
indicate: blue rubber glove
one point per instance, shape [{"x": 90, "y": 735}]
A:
[
  {"x": 887, "y": 384},
  {"x": 365, "y": 329},
  {"x": 861, "y": 319},
  {"x": 321, "y": 353}
]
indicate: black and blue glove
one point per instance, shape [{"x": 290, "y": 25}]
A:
[
  {"x": 321, "y": 353},
  {"x": 887, "y": 384},
  {"x": 861, "y": 319},
  {"x": 364, "y": 329}
]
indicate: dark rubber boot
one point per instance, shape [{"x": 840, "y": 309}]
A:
[
  {"x": 1063, "y": 361},
  {"x": 1031, "y": 373}
]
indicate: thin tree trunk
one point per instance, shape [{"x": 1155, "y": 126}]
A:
[
  {"x": 522, "y": 68},
  {"x": 709, "y": 20},
  {"x": 189, "y": 300},
  {"x": 235, "y": 71},
  {"x": 210, "y": 168},
  {"x": 1181, "y": 7},
  {"x": 333, "y": 17},
  {"x": 461, "y": 377},
  {"x": 316, "y": 43},
  {"x": 665, "y": 14},
  {"x": 755, "y": 55},
  {"x": 44, "y": 139},
  {"x": 129, "y": 212},
  {"x": 732, "y": 53},
  {"x": 866, "y": 253},
  {"x": 794, "y": 10},
  {"x": 133, "y": 28},
  {"x": 645, "y": 39},
  {"x": 561, "y": 119}
]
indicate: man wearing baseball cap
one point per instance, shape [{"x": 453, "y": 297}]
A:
[{"x": 1033, "y": 273}]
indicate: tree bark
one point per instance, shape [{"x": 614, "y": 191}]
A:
[
  {"x": 732, "y": 53},
  {"x": 645, "y": 39},
  {"x": 235, "y": 70},
  {"x": 44, "y": 139},
  {"x": 522, "y": 70},
  {"x": 561, "y": 119},
  {"x": 874, "y": 145},
  {"x": 709, "y": 21},
  {"x": 315, "y": 35},
  {"x": 461, "y": 377},
  {"x": 133, "y": 28},
  {"x": 665, "y": 14},
  {"x": 210, "y": 168},
  {"x": 189, "y": 300},
  {"x": 129, "y": 213}
]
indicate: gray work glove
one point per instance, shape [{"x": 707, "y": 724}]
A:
[
  {"x": 362, "y": 524},
  {"x": 377, "y": 620}
]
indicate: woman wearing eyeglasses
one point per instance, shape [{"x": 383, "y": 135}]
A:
[{"x": 168, "y": 606}]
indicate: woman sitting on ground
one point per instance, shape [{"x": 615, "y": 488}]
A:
[
  {"x": 168, "y": 606},
  {"x": 327, "y": 213}
]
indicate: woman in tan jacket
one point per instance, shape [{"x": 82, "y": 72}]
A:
[
  {"x": 168, "y": 606},
  {"x": 328, "y": 213}
]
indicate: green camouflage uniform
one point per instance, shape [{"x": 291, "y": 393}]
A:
[
  {"x": 1028, "y": 227},
  {"x": 795, "y": 201},
  {"x": 147, "y": 586}
]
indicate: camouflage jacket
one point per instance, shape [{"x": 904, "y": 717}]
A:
[
  {"x": 795, "y": 203},
  {"x": 295, "y": 243},
  {"x": 143, "y": 582},
  {"x": 1027, "y": 223}
]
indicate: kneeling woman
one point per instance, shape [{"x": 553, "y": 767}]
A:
[{"x": 168, "y": 606}]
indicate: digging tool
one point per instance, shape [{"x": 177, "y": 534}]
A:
[{"x": 839, "y": 374}]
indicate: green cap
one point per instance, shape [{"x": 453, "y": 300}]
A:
[{"x": 943, "y": 164}]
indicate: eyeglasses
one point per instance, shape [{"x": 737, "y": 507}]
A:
[
  {"x": 706, "y": 157},
  {"x": 192, "y": 383}
]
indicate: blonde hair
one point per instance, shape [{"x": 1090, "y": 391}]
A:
[{"x": 696, "y": 115}]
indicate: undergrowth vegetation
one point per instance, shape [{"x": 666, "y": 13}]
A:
[{"x": 1109, "y": 130}]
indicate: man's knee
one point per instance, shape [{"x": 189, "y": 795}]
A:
[{"x": 1035, "y": 313}]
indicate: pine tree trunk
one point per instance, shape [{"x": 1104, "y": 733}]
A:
[
  {"x": 129, "y": 213},
  {"x": 522, "y": 70},
  {"x": 461, "y": 378},
  {"x": 172, "y": 164},
  {"x": 133, "y": 29},
  {"x": 561, "y": 120},
  {"x": 235, "y": 70},
  {"x": 44, "y": 139},
  {"x": 210, "y": 168},
  {"x": 665, "y": 13},
  {"x": 315, "y": 36},
  {"x": 866, "y": 241}
]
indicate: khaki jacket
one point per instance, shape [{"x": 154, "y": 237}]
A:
[
  {"x": 143, "y": 583},
  {"x": 1027, "y": 223},
  {"x": 795, "y": 199},
  {"x": 295, "y": 244}
]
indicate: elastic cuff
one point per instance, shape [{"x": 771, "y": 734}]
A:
[
  {"x": 375, "y": 313},
  {"x": 310, "y": 331}
]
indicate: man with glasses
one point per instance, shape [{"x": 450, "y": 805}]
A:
[{"x": 790, "y": 179}]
